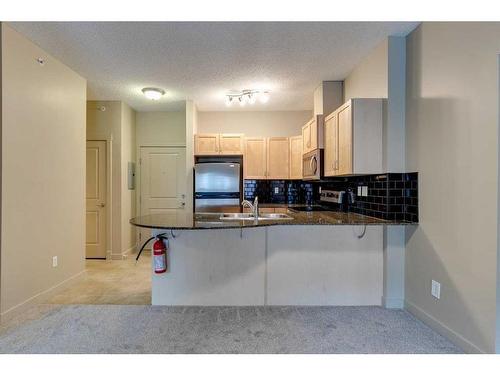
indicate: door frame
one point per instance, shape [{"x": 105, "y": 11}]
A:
[
  {"x": 109, "y": 192},
  {"x": 138, "y": 177}
]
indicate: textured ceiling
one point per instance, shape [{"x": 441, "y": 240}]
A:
[{"x": 203, "y": 60}]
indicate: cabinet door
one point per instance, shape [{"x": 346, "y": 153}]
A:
[
  {"x": 331, "y": 145},
  {"x": 278, "y": 158},
  {"x": 206, "y": 144},
  {"x": 306, "y": 138},
  {"x": 345, "y": 141},
  {"x": 314, "y": 134},
  {"x": 296, "y": 157},
  {"x": 255, "y": 158},
  {"x": 231, "y": 144}
]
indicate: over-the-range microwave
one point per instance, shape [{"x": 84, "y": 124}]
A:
[{"x": 312, "y": 165}]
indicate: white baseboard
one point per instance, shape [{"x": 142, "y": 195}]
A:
[
  {"x": 41, "y": 297},
  {"x": 444, "y": 330},
  {"x": 124, "y": 254}
]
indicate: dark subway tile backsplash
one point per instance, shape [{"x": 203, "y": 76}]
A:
[
  {"x": 279, "y": 191},
  {"x": 391, "y": 196}
]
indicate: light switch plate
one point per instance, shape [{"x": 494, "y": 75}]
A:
[
  {"x": 364, "y": 191},
  {"x": 54, "y": 261},
  {"x": 436, "y": 289}
]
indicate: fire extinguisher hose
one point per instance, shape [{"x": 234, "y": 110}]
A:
[{"x": 162, "y": 236}]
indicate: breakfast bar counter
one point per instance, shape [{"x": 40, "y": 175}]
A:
[{"x": 216, "y": 220}]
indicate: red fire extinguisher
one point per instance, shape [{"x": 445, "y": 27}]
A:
[{"x": 160, "y": 255}]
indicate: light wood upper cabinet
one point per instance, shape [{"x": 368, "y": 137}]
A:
[
  {"x": 218, "y": 144},
  {"x": 353, "y": 138},
  {"x": 206, "y": 144},
  {"x": 345, "y": 145},
  {"x": 295, "y": 157},
  {"x": 330, "y": 159},
  {"x": 306, "y": 138},
  {"x": 312, "y": 134},
  {"x": 255, "y": 158},
  {"x": 278, "y": 149},
  {"x": 231, "y": 144}
]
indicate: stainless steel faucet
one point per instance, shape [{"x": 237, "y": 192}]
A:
[{"x": 254, "y": 207}]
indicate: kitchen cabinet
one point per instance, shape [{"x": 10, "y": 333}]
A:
[
  {"x": 255, "y": 158},
  {"x": 231, "y": 144},
  {"x": 353, "y": 138},
  {"x": 345, "y": 146},
  {"x": 278, "y": 149},
  {"x": 331, "y": 145},
  {"x": 295, "y": 157},
  {"x": 218, "y": 144},
  {"x": 206, "y": 144},
  {"x": 312, "y": 134},
  {"x": 266, "y": 158}
]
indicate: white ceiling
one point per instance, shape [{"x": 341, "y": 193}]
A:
[{"x": 203, "y": 60}]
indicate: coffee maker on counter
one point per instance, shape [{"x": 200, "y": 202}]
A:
[{"x": 343, "y": 198}]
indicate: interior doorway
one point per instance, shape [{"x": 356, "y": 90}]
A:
[{"x": 95, "y": 200}]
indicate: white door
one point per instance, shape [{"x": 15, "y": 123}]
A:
[
  {"x": 95, "y": 238},
  {"x": 163, "y": 183}
]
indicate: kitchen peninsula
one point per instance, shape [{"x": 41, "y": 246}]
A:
[
  {"x": 309, "y": 258},
  {"x": 336, "y": 238}
]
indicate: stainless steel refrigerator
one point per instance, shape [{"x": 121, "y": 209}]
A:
[{"x": 217, "y": 187}]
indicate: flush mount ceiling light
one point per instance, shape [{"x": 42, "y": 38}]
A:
[
  {"x": 247, "y": 96},
  {"x": 153, "y": 93}
]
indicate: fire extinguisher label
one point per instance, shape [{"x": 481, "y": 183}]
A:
[{"x": 160, "y": 264}]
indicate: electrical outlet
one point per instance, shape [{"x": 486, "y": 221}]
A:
[
  {"x": 364, "y": 191},
  {"x": 54, "y": 261},
  {"x": 276, "y": 190},
  {"x": 436, "y": 289}
]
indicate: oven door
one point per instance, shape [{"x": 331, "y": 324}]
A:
[{"x": 311, "y": 165}]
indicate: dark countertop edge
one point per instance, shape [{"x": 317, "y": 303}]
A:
[{"x": 386, "y": 223}]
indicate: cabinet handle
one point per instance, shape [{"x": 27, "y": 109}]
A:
[{"x": 314, "y": 162}]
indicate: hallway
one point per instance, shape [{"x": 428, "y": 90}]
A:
[{"x": 111, "y": 283}]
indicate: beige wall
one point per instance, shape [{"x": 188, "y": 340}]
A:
[
  {"x": 452, "y": 141},
  {"x": 43, "y": 173},
  {"x": 191, "y": 126},
  {"x": 254, "y": 124},
  {"x": 369, "y": 78},
  {"x": 161, "y": 128},
  {"x": 116, "y": 125},
  {"x": 128, "y": 154}
]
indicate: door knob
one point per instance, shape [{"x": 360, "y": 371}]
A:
[{"x": 101, "y": 205}]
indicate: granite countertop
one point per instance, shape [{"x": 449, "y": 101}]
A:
[{"x": 213, "y": 220}]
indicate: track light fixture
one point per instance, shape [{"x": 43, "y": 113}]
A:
[{"x": 247, "y": 96}]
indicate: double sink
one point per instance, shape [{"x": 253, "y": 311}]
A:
[{"x": 250, "y": 216}]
